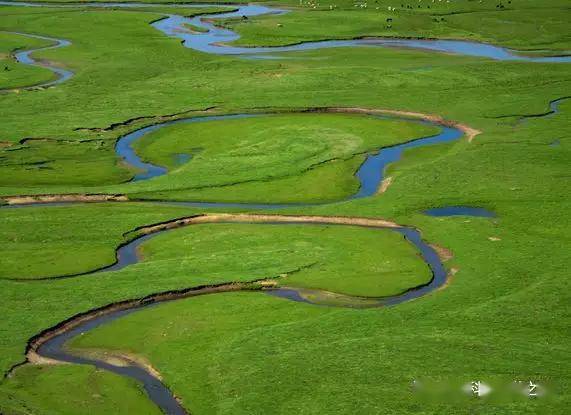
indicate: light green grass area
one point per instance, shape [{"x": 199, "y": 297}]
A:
[
  {"x": 504, "y": 316},
  {"x": 69, "y": 240},
  {"x": 14, "y": 74},
  {"x": 37, "y": 389}
]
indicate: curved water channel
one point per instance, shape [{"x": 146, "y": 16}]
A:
[
  {"x": 370, "y": 173},
  {"x": 216, "y": 39},
  {"x": 24, "y": 57}
]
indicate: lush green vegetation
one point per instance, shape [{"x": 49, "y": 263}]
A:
[
  {"x": 340, "y": 259},
  {"x": 45, "y": 162},
  {"x": 293, "y": 154},
  {"x": 503, "y": 317},
  {"x": 69, "y": 240},
  {"x": 253, "y": 343},
  {"x": 358, "y": 261},
  {"x": 75, "y": 239},
  {"x": 38, "y": 389}
]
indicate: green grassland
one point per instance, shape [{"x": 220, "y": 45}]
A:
[
  {"x": 248, "y": 364},
  {"x": 70, "y": 240},
  {"x": 105, "y": 98},
  {"x": 504, "y": 316},
  {"x": 341, "y": 259},
  {"x": 346, "y": 260},
  {"x": 37, "y": 389},
  {"x": 45, "y": 162},
  {"x": 328, "y": 77}
]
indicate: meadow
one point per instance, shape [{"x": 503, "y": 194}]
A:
[{"x": 503, "y": 315}]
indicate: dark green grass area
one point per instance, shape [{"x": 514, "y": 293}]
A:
[
  {"x": 14, "y": 74},
  {"x": 38, "y": 389}
]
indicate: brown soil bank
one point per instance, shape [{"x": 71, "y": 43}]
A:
[
  {"x": 85, "y": 198},
  {"x": 260, "y": 218},
  {"x": 437, "y": 119}
]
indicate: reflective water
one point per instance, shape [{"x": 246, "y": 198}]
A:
[{"x": 460, "y": 211}]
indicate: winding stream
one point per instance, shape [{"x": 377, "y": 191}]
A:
[
  {"x": 155, "y": 389},
  {"x": 370, "y": 173},
  {"x": 553, "y": 109},
  {"x": 24, "y": 57},
  {"x": 216, "y": 39},
  {"x": 51, "y": 345}
]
